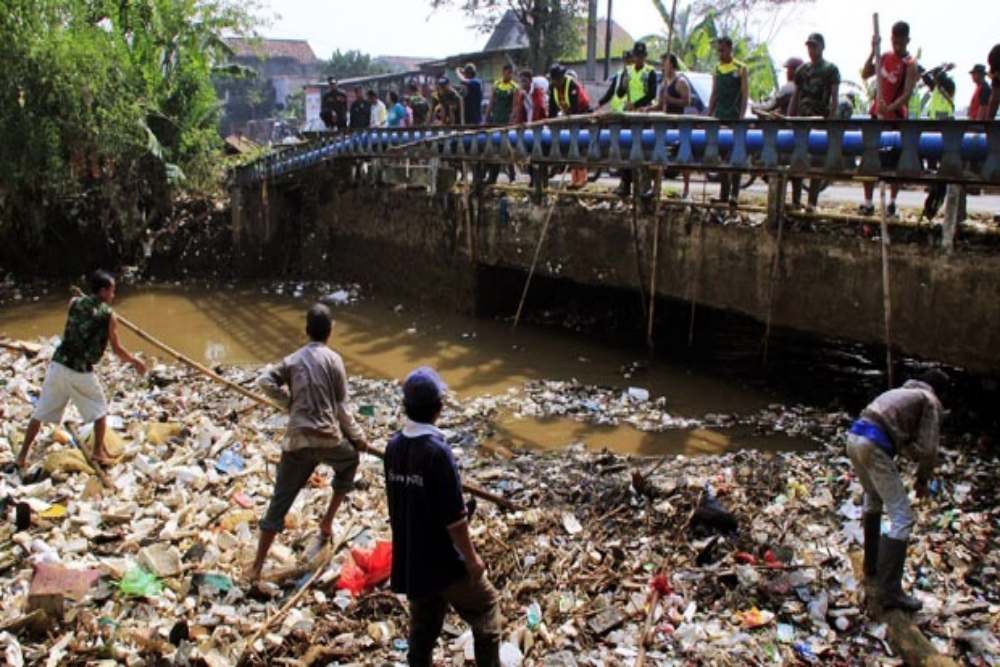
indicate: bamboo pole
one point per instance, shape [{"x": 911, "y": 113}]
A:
[
  {"x": 188, "y": 361},
  {"x": 775, "y": 266},
  {"x": 670, "y": 28},
  {"x": 75, "y": 438},
  {"x": 292, "y": 601},
  {"x": 886, "y": 285},
  {"x": 471, "y": 488},
  {"x": 538, "y": 251},
  {"x": 655, "y": 262},
  {"x": 654, "y": 601},
  {"x": 635, "y": 240},
  {"x": 696, "y": 285}
]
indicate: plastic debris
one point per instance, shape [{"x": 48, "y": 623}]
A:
[
  {"x": 754, "y": 618},
  {"x": 230, "y": 462},
  {"x": 575, "y": 564},
  {"x": 157, "y": 433},
  {"x": 66, "y": 461},
  {"x": 364, "y": 569},
  {"x": 161, "y": 559},
  {"x": 139, "y": 583}
]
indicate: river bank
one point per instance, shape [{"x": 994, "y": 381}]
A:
[{"x": 574, "y": 563}]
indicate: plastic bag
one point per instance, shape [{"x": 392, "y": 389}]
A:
[
  {"x": 230, "y": 463},
  {"x": 158, "y": 433},
  {"x": 365, "y": 569},
  {"x": 137, "y": 582}
]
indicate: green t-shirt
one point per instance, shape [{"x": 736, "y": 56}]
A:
[
  {"x": 503, "y": 102},
  {"x": 814, "y": 83},
  {"x": 728, "y": 90},
  {"x": 86, "y": 334}
]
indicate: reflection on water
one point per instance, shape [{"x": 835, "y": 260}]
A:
[
  {"x": 376, "y": 339},
  {"x": 558, "y": 432}
]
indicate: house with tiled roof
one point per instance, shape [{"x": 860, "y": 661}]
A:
[{"x": 283, "y": 66}]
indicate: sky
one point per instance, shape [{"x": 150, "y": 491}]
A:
[{"x": 959, "y": 31}]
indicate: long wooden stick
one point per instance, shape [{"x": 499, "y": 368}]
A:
[
  {"x": 654, "y": 601},
  {"x": 538, "y": 251},
  {"x": 775, "y": 268},
  {"x": 101, "y": 474},
  {"x": 696, "y": 286},
  {"x": 886, "y": 286},
  {"x": 188, "y": 361},
  {"x": 670, "y": 28},
  {"x": 471, "y": 488},
  {"x": 273, "y": 618},
  {"x": 655, "y": 262},
  {"x": 30, "y": 349},
  {"x": 635, "y": 240}
]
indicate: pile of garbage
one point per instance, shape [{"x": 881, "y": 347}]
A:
[{"x": 746, "y": 553}]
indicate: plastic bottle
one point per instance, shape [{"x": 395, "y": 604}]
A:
[{"x": 534, "y": 616}]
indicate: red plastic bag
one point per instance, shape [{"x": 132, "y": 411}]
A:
[{"x": 363, "y": 570}]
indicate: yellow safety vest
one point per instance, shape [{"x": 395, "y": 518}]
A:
[
  {"x": 637, "y": 82},
  {"x": 618, "y": 101},
  {"x": 563, "y": 101},
  {"x": 940, "y": 106}
]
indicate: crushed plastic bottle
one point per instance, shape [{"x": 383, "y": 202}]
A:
[{"x": 534, "y": 616}]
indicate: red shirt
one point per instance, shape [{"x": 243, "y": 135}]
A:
[
  {"x": 539, "y": 108},
  {"x": 980, "y": 99},
  {"x": 893, "y": 81}
]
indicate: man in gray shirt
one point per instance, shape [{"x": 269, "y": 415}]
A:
[
  {"x": 901, "y": 422},
  {"x": 320, "y": 430}
]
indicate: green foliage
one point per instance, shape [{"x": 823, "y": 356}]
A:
[
  {"x": 350, "y": 64},
  {"x": 694, "y": 43},
  {"x": 552, "y": 26},
  {"x": 108, "y": 101}
]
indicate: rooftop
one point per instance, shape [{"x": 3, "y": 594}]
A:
[
  {"x": 266, "y": 49},
  {"x": 509, "y": 34}
]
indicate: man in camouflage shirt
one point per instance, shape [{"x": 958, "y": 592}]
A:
[
  {"x": 817, "y": 89},
  {"x": 90, "y": 326}
]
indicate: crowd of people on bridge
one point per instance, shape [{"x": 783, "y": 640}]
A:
[{"x": 811, "y": 90}]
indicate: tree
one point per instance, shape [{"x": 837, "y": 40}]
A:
[
  {"x": 350, "y": 64},
  {"x": 551, "y": 26},
  {"x": 106, "y": 109},
  {"x": 750, "y": 23}
]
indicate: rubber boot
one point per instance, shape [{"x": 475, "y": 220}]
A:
[
  {"x": 873, "y": 534},
  {"x": 891, "y": 558}
]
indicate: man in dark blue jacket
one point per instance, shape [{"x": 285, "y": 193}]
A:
[{"x": 434, "y": 562}]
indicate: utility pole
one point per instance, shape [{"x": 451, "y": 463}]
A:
[
  {"x": 591, "y": 40},
  {"x": 607, "y": 43}
]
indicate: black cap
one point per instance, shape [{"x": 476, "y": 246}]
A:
[
  {"x": 444, "y": 81},
  {"x": 816, "y": 38},
  {"x": 557, "y": 71},
  {"x": 639, "y": 49},
  {"x": 978, "y": 69}
]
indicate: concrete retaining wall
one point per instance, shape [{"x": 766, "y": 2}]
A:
[{"x": 946, "y": 308}]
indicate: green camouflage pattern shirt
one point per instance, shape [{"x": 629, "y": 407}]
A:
[
  {"x": 815, "y": 83},
  {"x": 86, "y": 334}
]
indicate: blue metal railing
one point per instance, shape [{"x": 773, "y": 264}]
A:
[{"x": 952, "y": 151}]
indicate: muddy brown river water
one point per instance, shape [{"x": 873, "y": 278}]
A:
[{"x": 244, "y": 326}]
